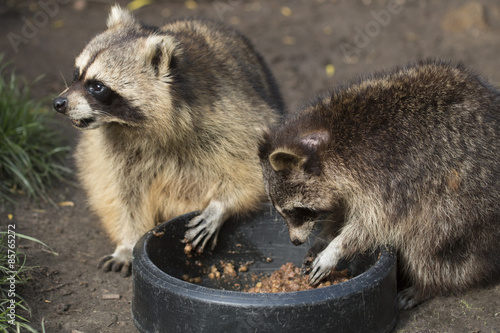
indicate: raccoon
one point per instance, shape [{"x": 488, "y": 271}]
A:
[
  {"x": 408, "y": 158},
  {"x": 170, "y": 118}
]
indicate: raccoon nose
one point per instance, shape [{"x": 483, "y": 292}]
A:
[
  {"x": 297, "y": 242},
  {"x": 60, "y": 104}
]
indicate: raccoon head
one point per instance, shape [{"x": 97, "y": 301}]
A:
[
  {"x": 122, "y": 75},
  {"x": 294, "y": 179}
]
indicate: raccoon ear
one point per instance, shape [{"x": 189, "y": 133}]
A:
[
  {"x": 281, "y": 160},
  {"x": 119, "y": 16},
  {"x": 159, "y": 52}
]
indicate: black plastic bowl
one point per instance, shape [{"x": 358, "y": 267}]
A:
[{"x": 164, "y": 302}]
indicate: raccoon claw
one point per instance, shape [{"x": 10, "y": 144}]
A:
[
  {"x": 320, "y": 268},
  {"x": 408, "y": 299},
  {"x": 201, "y": 235},
  {"x": 105, "y": 263},
  {"x": 110, "y": 263},
  {"x": 317, "y": 274},
  {"x": 200, "y": 232},
  {"x": 206, "y": 226},
  {"x": 119, "y": 261}
]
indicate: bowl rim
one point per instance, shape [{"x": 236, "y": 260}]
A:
[{"x": 143, "y": 265}]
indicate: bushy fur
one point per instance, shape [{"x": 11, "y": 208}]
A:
[
  {"x": 409, "y": 158},
  {"x": 171, "y": 118}
]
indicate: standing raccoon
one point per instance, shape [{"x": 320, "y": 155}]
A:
[
  {"x": 409, "y": 158},
  {"x": 172, "y": 117}
]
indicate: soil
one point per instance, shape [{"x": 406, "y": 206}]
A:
[{"x": 309, "y": 45}]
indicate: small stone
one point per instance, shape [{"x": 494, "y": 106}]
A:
[{"x": 110, "y": 296}]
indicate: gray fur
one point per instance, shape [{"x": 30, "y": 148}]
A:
[{"x": 409, "y": 158}]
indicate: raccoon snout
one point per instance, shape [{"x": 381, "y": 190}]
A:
[
  {"x": 60, "y": 104},
  {"x": 297, "y": 242}
]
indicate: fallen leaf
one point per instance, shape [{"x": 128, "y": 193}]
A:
[
  {"x": 136, "y": 4},
  {"x": 288, "y": 40},
  {"x": 286, "y": 11},
  {"x": 191, "y": 4},
  {"x": 330, "y": 70},
  {"x": 58, "y": 24}
]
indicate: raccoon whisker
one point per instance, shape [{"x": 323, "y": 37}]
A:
[
  {"x": 65, "y": 82},
  {"x": 319, "y": 237},
  {"x": 324, "y": 220},
  {"x": 106, "y": 115}
]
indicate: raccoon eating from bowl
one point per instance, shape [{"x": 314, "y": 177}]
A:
[
  {"x": 170, "y": 120},
  {"x": 408, "y": 158}
]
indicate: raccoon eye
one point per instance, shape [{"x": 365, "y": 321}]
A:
[
  {"x": 302, "y": 212},
  {"x": 96, "y": 87},
  {"x": 305, "y": 212}
]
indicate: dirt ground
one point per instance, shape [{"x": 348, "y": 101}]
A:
[{"x": 309, "y": 45}]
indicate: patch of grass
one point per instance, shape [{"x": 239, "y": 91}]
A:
[{"x": 31, "y": 154}]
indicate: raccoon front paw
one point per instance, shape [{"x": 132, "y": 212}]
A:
[
  {"x": 408, "y": 298},
  {"x": 201, "y": 231},
  {"x": 320, "y": 268},
  {"x": 120, "y": 261},
  {"x": 206, "y": 227},
  {"x": 326, "y": 261}
]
